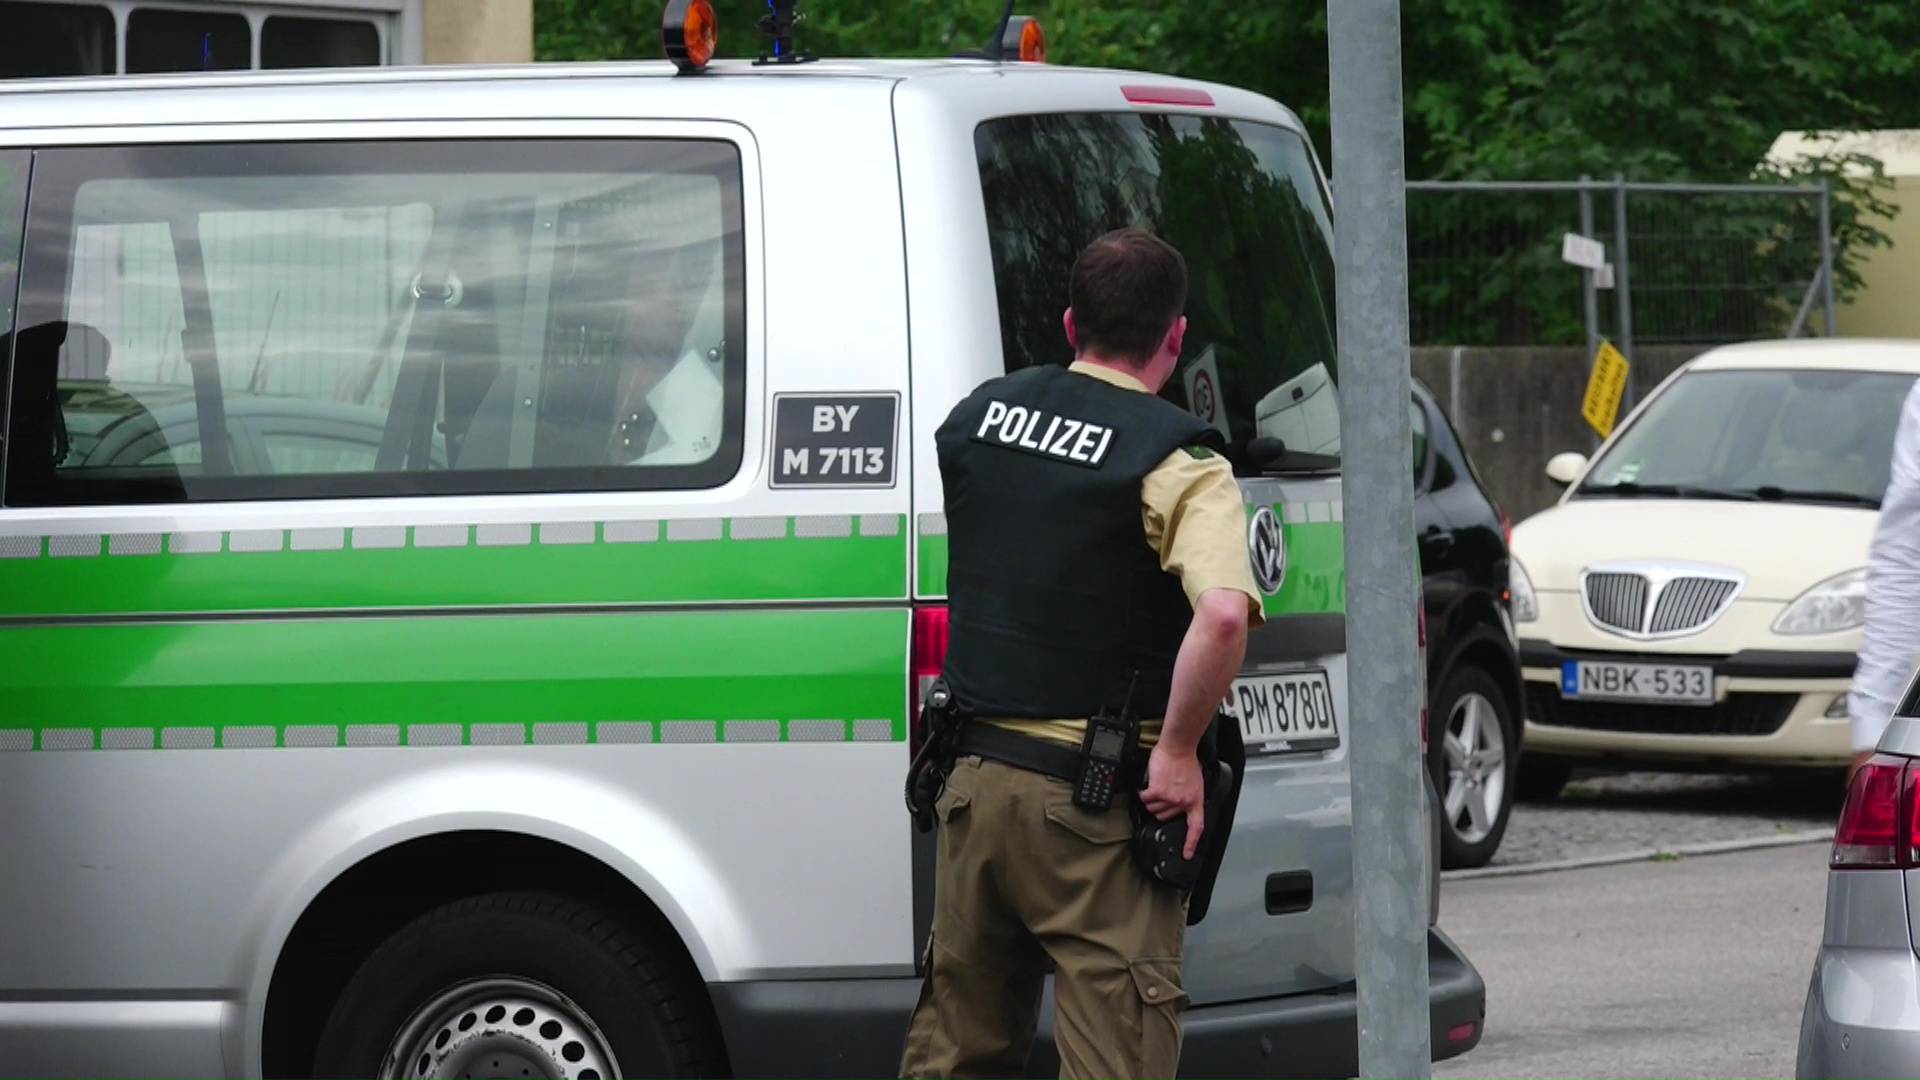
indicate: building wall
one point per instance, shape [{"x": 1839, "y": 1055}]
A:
[
  {"x": 1889, "y": 303},
  {"x": 478, "y": 31}
]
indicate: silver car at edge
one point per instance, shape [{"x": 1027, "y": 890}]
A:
[{"x": 1862, "y": 1016}]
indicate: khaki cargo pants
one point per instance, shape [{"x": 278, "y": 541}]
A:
[{"x": 1024, "y": 876}]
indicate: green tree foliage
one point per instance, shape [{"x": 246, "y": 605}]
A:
[{"x": 1494, "y": 89}]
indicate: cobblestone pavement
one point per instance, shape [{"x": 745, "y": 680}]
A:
[{"x": 1602, "y": 813}]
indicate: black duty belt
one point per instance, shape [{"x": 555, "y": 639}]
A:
[{"x": 1057, "y": 760}]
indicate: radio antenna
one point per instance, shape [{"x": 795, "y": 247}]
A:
[
  {"x": 779, "y": 23},
  {"x": 997, "y": 45}
]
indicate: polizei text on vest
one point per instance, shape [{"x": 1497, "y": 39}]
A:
[{"x": 1041, "y": 432}]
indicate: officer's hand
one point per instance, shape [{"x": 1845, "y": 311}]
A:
[{"x": 1175, "y": 787}]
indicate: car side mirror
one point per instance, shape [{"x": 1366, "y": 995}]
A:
[{"x": 1564, "y": 468}]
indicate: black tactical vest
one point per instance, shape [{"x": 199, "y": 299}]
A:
[{"x": 1055, "y": 599}]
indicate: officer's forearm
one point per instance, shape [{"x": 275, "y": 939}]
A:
[{"x": 1210, "y": 657}]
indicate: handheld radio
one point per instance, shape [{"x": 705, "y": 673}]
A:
[{"x": 1109, "y": 741}]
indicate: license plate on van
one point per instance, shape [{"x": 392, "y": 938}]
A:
[
  {"x": 1607, "y": 680},
  {"x": 1286, "y": 713}
]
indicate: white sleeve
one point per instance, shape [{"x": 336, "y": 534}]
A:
[{"x": 1890, "y": 641}]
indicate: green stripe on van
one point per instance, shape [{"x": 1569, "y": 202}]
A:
[
  {"x": 690, "y": 561},
  {"x": 747, "y": 675},
  {"x": 1316, "y": 581}
]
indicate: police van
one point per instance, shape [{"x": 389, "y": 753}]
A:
[{"x": 471, "y": 550}]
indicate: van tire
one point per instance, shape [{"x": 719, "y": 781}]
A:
[{"x": 650, "y": 1017}]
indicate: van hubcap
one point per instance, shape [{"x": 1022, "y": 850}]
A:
[
  {"x": 498, "y": 1027},
  {"x": 1476, "y": 753}
]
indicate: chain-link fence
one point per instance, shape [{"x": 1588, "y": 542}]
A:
[{"x": 1689, "y": 263}]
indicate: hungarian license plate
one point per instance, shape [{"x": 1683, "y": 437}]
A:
[
  {"x": 1286, "y": 713},
  {"x": 1608, "y": 680}
]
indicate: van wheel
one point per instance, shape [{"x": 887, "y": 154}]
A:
[
  {"x": 1472, "y": 758},
  {"x": 519, "y": 985}
]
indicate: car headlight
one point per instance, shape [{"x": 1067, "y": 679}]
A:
[
  {"x": 1838, "y": 603},
  {"x": 1526, "y": 608}
]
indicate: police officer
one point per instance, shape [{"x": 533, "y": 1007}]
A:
[{"x": 1096, "y": 538}]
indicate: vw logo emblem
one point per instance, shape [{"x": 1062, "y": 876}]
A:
[{"x": 1267, "y": 550}]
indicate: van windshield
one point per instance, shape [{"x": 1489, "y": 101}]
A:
[{"x": 1245, "y": 207}]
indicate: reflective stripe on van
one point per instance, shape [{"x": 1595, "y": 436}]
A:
[{"x": 323, "y": 568}]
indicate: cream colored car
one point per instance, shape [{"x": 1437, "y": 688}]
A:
[{"x": 1697, "y": 594}]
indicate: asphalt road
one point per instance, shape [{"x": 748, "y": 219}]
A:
[
  {"x": 1602, "y": 814},
  {"x": 1694, "y": 967}
]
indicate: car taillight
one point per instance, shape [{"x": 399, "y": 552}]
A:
[
  {"x": 1506, "y": 529},
  {"x": 1426, "y": 714},
  {"x": 1876, "y": 830},
  {"x": 928, "y": 654}
]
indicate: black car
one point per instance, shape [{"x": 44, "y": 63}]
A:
[{"x": 1473, "y": 666}]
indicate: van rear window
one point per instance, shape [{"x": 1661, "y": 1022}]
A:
[
  {"x": 1245, "y": 207},
  {"x": 203, "y": 323}
]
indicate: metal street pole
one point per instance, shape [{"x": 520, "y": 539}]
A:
[
  {"x": 1589, "y": 289},
  {"x": 1622, "y": 285},
  {"x": 1826, "y": 256},
  {"x": 1383, "y": 689}
]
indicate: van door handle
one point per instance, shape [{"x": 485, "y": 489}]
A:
[{"x": 1289, "y": 893}]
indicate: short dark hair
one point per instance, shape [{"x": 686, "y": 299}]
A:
[{"x": 1126, "y": 290}]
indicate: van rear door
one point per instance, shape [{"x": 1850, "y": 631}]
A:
[{"x": 1245, "y": 204}]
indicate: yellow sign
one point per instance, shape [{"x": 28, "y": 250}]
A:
[{"x": 1605, "y": 387}]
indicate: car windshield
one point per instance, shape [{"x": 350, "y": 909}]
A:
[
  {"x": 1245, "y": 207},
  {"x": 1819, "y": 437}
]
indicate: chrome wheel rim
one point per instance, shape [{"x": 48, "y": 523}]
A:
[
  {"x": 1476, "y": 756},
  {"x": 503, "y": 1026}
]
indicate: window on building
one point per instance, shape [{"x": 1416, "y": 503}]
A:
[
  {"x": 290, "y": 42},
  {"x": 213, "y": 322},
  {"x": 162, "y": 39},
  {"x": 42, "y": 40}
]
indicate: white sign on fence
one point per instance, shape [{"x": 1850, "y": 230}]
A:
[{"x": 1583, "y": 251}]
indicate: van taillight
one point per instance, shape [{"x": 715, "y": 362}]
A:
[
  {"x": 928, "y": 654},
  {"x": 1876, "y": 830}
]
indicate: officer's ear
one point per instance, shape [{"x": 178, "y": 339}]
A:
[
  {"x": 1176, "y": 336},
  {"x": 1073, "y": 336}
]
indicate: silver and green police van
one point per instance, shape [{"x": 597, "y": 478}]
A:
[{"x": 471, "y": 547}]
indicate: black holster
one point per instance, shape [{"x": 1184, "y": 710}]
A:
[
  {"x": 940, "y": 721},
  {"x": 1158, "y": 846}
]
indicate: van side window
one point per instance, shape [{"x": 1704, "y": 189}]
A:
[
  {"x": 13, "y": 204},
  {"x": 207, "y": 323},
  {"x": 1244, "y": 205}
]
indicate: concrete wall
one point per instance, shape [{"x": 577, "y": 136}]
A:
[
  {"x": 1516, "y": 407},
  {"x": 1886, "y": 305},
  {"x": 478, "y": 31}
]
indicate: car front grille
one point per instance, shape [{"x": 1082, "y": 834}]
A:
[
  {"x": 1739, "y": 714},
  {"x": 1689, "y": 603},
  {"x": 1617, "y": 600},
  {"x": 1654, "y": 604}
]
